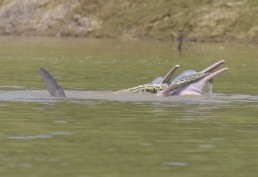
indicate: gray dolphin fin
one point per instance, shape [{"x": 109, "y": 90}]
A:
[{"x": 51, "y": 84}]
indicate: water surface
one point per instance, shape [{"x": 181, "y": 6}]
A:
[{"x": 95, "y": 133}]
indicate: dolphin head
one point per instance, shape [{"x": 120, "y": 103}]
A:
[
  {"x": 194, "y": 88},
  {"x": 197, "y": 88}
]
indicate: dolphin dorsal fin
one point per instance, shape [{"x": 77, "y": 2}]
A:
[{"x": 51, "y": 84}]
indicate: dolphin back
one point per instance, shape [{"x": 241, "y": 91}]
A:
[
  {"x": 51, "y": 84},
  {"x": 158, "y": 80},
  {"x": 184, "y": 74}
]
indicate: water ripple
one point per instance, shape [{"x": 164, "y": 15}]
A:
[
  {"x": 175, "y": 163},
  {"x": 39, "y": 136}
]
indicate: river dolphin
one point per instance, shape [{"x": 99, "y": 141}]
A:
[{"x": 195, "y": 88}]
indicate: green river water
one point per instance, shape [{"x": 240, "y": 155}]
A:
[{"x": 94, "y": 134}]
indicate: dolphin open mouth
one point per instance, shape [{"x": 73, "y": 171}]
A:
[
  {"x": 213, "y": 67},
  {"x": 170, "y": 73}
]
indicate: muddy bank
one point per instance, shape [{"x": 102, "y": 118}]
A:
[{"x": 201, "y": 20}]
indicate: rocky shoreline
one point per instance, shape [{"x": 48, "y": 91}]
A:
[{"x": 202, "y": 21}]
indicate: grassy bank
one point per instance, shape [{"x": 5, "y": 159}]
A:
[{"x": 199, "y": 20}]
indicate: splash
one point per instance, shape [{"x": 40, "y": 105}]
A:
[{"x": 210, "y": 88}]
